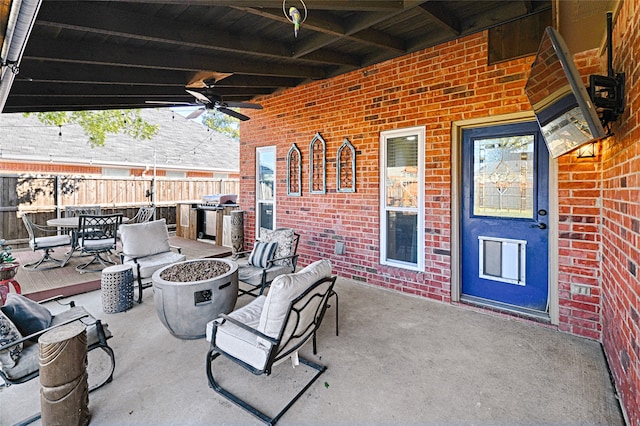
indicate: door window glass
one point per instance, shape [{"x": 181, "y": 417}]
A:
[{"x": 503, "y": 181}]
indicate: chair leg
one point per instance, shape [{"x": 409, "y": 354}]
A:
[
  {"x": 96, "y": 258},
  {"x": 102, "y": 344},
  {"x": 333, "y": 293},
  {"x": 107, "y": 349},
  {"x": 242, "y": 292},
  {"x": 46, "y": 257},
  {"x": 140, "y": 288},
  {"x": 251, "y": 291},
  {"x": 212, "y": 355}
]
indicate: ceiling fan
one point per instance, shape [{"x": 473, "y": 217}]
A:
[{"x": 211, "y": 102}]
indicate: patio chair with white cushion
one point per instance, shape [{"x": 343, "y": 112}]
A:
[
  {"x": 271, "y": 329},
  {"x": 273, "y": 254},
  {"x": 146, "y": 247},
  {"x": 45, "y": 243}
]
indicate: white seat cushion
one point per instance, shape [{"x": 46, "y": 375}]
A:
[
  {"x": 97, "y": 245},
  {"x": 150, "y": 264},
  {"x": 238, "y": 342},
  {"x": 52, "y": 241},
  {"x": 253, "y": 275}
]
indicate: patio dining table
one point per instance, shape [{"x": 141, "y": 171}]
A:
[{"x": 72, "y": 223}]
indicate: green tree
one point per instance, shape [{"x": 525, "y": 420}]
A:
[
  {"x": 97, "y": 124},
  {"x": 222, "y": 123}
]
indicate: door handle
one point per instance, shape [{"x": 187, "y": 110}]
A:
[{"x": 539, "y": 225}]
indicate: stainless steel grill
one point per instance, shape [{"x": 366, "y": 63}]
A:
[{"x": 208, "y": 216}]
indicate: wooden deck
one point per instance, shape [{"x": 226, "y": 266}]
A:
[{"x": 47, "y": 283}]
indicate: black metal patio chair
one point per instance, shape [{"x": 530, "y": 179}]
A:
[
  {"x": 271, "y": 329},
  {"x": 19, "y": 354},
  {"x": 98, "y": 237},
  {"x": 262, "y": 265}
]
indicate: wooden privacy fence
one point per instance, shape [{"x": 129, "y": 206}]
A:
[{"x": 50, "y": 194}]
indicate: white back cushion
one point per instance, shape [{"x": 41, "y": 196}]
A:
[
  {"x": 284, "y": 289},
  {"x": 144, "y": 239}
]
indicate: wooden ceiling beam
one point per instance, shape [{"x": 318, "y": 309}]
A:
[
  {"x": 34, "y": 104},
  {"x": 358, "y": 5},
  {"x": 507, "y": 12},
  {"x": 330, "y": 29},
  {"x": 240, "y": 80},
  {"x": 116, "y": 55},
  {"x": 56, "y": 72},
  {"x": 441, "y": 15},
  {"x": 31, "y": 88},
  {"x": 110, "y": 21}
]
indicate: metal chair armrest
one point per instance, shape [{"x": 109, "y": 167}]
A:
[
  {"x": 136, "y": 258},
  {"x": 52, "y": 299},
  {"x": 43, "y": 228},
  {"x": 224, "y": 318},
  {"x": 270, "y": 262}
]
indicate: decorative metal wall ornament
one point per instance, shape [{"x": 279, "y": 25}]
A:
[
  {"x": 294, "y": 171},
  {"x": 294, "y": 16},
  {"x": 346, "y": 167},
  {"x": 317, "y": 165}
]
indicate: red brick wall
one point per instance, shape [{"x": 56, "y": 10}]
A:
[
  {"x": 579, "y": 199},
  {"x": 24, "y": 167},
  {"x": 429, "y": 88},
  {"x": 599, "y": 202},
  {"x": 621, "y": 222}
]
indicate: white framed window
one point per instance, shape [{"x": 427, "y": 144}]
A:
[
  {"x": 171, "y": 174},
  {"x": 265, "y": 188},
  {"x": 115, "y": 172},
  {"x": 402, "y": 198}
]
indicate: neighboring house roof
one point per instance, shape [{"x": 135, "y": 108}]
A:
[{"x": 180, "y": 144}]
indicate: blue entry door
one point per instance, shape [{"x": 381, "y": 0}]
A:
[{"x": 505, "y": 217}]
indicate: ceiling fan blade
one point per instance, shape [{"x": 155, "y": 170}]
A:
[
  {"x": 243, "y": 105},
  {"x": 195, "y": 114},
  {"x": 199, "y": 96},
  {"x": 169, "y": 103},
  {"x": 233, "y": 113}
]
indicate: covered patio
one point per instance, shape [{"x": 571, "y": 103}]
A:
[
  {"x": 397, "y": 360},
  {"x": 376, "y": 79}
]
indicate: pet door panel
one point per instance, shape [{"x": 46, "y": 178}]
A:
[{"x": 502, "y": 260}]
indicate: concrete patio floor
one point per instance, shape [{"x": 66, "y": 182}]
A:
[{"x": 398, "y": 360}]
